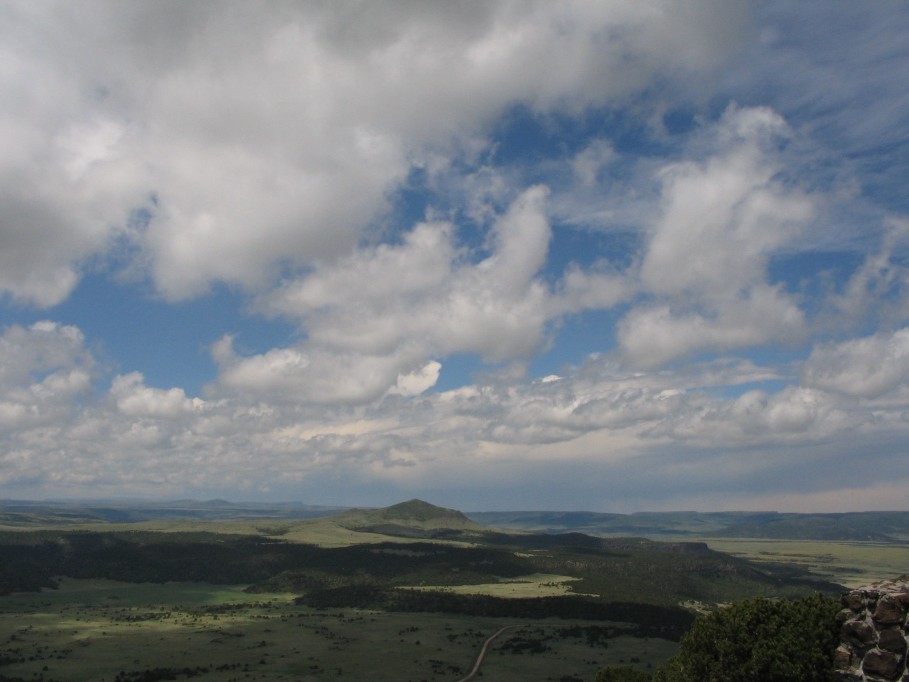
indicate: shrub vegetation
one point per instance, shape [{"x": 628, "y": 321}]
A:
[{"x": 759, "y": 640}]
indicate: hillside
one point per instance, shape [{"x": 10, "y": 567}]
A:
[{"x": 412, "y": 519}]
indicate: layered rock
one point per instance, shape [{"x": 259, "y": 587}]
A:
[{"x": 874, "y": 638}]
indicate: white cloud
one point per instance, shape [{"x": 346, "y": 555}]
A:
[
  {"x": 39, "y": 351},
  {"x": 375, "y": 318},
  {"x": 722, "y": 217},
  {"x": 588, "y": 163},
  {"x": 265, "y": 142},
  {"x": 706, "y": 257},
  {"x": 44, "y": 373},
  {"x": 315, "y": 375},
  {"x": 876, "y": 290},
  {"x": 867, "y": 368},
  {"x": 652, "y": 335},
  {"x": 417, "y": 382},
  {"x": 135, "y": 399},
  {"x": 271, "y": 136},
  {"x": 68, "y": 176},
  {"x": 829, "y": 84},
  {"x": 598, "y": 421},
  {"x": 63, "y": 200},
  {"x": 673, "y": 408}
]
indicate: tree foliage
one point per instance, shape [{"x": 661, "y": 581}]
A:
[
  {"x": 759, "y": 640},
  {"x": 648, "y": 620},
  {"x": 622, "y": 673}
]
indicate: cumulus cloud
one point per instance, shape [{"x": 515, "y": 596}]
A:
[
  {"x": 705, "y": 261},
  {"x": 58, "y": 435},
  {"x": 374, "y": 319},
  {"x": 654, "y": 334},
  {"x": 795, "y": 413},
  {"x": 597, "y": 287},
  {"x": 671, "y": 407},
  {"x": 255, "y": 140},
  {"x": 44, "y": 369},
  {"x": 135, "y": 399},
  {"x": 267, "y": 148},
  {"x": 40, "y": 349},
  {"x": 867, "y": 367},
  {"x": 417, "y": 382},
  {"x": 313, "y": 375}
]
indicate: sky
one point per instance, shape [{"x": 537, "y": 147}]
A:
[{"x": 571, "y": 255}]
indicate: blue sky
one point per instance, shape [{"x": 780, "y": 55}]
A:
[{"x": 506, "y": 255}]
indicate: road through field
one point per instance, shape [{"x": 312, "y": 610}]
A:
[{"x": 482, "y": 654}]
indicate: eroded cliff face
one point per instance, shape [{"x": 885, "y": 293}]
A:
[{"x": 875, "y": 634}]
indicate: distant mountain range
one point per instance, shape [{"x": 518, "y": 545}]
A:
[
  {"x": 27, "y": 512},
  {"x": 852, "y": 526},
  {"x": 417, "y": 518}
]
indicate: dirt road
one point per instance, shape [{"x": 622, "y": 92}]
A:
[{"x": 482, "y": 654}]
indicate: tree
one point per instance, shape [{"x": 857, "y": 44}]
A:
[
  {"x": 759, "y": 640},
  {"x": 622, "y": 673}
]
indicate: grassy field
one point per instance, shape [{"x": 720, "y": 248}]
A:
[
  {"x": 853, "y": 564},
  {"x": 324, "y": 532},
  {"x": 849, "y": 563},
  {"x": 106, "y": 631},
  {"x": 93, "y": 630},
  {"x": 522, "y": 587}
]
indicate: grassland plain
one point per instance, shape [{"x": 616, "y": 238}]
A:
[
  {"x": 852, "y": 549},
  {"x": 97, "y": 630},
  {"x": 860, "y": 526},
  {"x": 349, "y": 566},
  {"x": 851, "y": 564}
]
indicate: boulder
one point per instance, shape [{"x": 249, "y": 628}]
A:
[
  {"x": 843, "y": 659},
  {"x": 893, "y": 640},
  {"x": 853, "y": 600},
  {"x": 890, "y": 611},
  {"x": 874, "y": 633},
  {"x": 883, "y": 664},
  {"x": 859, "y": 633}
]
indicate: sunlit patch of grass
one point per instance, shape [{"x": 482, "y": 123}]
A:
[
  {"x": 852, "y": 564},
  {"x": 522, "y": 587}
]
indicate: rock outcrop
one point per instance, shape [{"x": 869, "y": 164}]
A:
[{"x": 874, "y": 638}]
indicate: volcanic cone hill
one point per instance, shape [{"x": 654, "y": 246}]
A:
[{"x": 412, "y": 519}]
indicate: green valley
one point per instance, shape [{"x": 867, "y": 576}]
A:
[{"x": 265, "y": 594}]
